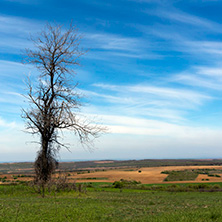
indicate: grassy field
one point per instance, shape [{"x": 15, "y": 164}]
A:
[
  {"x": 21, "y": 203},
  {"x": 139, "y": 194},
  {"x": 185, "y": 175}
]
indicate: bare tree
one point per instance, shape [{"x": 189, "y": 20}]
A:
[{"x": 53, "y": 98}]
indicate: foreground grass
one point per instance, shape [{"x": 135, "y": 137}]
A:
[{"x": 20, "y": 203}]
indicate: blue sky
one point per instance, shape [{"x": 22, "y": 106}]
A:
[{"x": 153, "y": 75}]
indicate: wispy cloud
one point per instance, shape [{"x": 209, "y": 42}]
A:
[
  {"x": 15, "y": 32},
  {"x": 176, "y": 15},
  {"x": 13, "y": 69},
  {"x": 156, "y": 81},
  {"x": 169, "y": 104},
  {"x": 204, "y": 77},
  {"x": 209, "y": 47},
  {"x": 184, "y": 32},
  {"x": 185, "y": 42},
  {"x": 113, "y": 42},
  {"x": 161, "y": 92},
  {"x": 194, "y": 80},
  {"x": 215, "y": 72},
  {"x": 142, "y": 126},
  {"x": 14, "y": 25},
  {"x": 114, "y": 46}
]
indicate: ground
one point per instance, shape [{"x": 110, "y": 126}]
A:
[
  {"x": 155, "y": 200},
  {"x": 146, "y": 175},
  {"x": 20, "y": 203}
]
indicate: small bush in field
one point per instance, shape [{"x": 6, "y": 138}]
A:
[
  {"x": 118, "y": 184},
  {"x": 125, "y": 183},
  {"x": 216, "y": 186}
]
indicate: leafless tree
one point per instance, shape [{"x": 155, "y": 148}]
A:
[{"x": 53, "y": 98}]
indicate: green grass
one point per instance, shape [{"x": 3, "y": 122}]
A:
[
  {"x": 185, "y": 175},
  {"x": 20, "y": 203}
]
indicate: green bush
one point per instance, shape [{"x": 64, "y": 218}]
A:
[
  {"x": 210, "y": 175},
  {"x": 118, "y": 184},
  {"x": 216, "y": 186},
  {"x": 126, "y": 183},
  {"x": 203, "y": 186},
  {"x": 165, "y": 172}
]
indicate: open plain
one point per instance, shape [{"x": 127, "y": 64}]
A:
[
  {"x": 102, "y": 199},
  {"x": 146, "y": 175}
]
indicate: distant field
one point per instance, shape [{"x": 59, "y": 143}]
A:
[
  {"x": 27, "y": 167},
  {"x": 146, "y": 175}
]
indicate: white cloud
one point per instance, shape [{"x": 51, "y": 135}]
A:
[
  {"x": 201, "y": 76},
  {"x": 209, "y": 71},
  {"x": 140, "y": 126},
  {"x": 193, "y": 80},
  {"x": 113, "y": 42},
  {"x": 14, "y": 70},
  {"x": 210, "y": 47},
  {"x": 107, "y": 45},
  {"x": 186, "y": 33},
  {"x": 153, "y": 102},
  {"x": 129, "y": 138},
  {"x": 7, "y": 125},
  {"x": 189, "y": 96},
  {"x": 182, "y": 17},
  {"x": 15, "y": 32},
  {"x": 16, "y": 26}
]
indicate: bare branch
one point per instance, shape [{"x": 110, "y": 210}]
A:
[{"x": 53, "y": 97}]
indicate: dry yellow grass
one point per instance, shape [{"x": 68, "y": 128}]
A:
[{"x": 148, "y": 175}]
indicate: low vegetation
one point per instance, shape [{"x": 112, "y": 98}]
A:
[
  {"x": 126, "y": 184},
  {"x": 185, "y": 175},
  {"x": 136, "y": 185},
  {"x": 21, "y": 203},
  {"x": 68, "y": 199},
  {"x": 189, "y": 175}
]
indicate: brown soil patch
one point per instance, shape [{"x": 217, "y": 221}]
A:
[
  {"x": 10, "y": 177},
  {"x": 202, "y": 177},
  {"x": 148, "y": 175}
]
